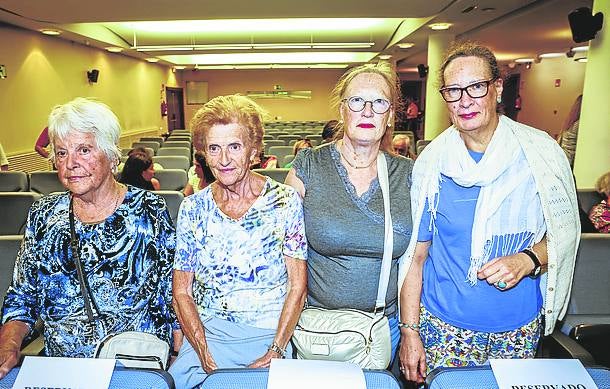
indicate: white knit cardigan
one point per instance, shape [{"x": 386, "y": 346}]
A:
[{"x": 555, "y": 184}]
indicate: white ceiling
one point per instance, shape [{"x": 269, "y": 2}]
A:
[{"x": 512, "y": 28}]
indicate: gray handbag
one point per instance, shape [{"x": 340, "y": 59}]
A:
[{"x": 351, "y": 335}]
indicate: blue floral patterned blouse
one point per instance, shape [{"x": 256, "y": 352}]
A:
[
  {"x": 239, "y": 266},
  {"x": 127, "y": 263}
]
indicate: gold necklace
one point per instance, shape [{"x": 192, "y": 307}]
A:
[
  {"x": 351, "y": 164},
  {"x": 116, "y": 205}
]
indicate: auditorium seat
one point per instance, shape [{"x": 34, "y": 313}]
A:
[
  {"x": 177, "y": 143},
  {"x": 271, "y": 143},
  {"x": 258, "y": 379},
  {"x": 288, "y": 138},
  {"x": 588, "y": 317},
  {"x": 278, "y": 174},
  {"x": 281, "y": 151},
  {"x": 316, "y": 140},
  {"x": 151, "y": 152},
  {"x": 9, "y": 246},
  {"x": 171, "y": 179},
  {"x": 179, "y": 138},
  {"x": 173, "y": 199},
  {"x": 45, "y": 182},
  {"x": 14, "y": 207},
  {"x": 587, "y": 198},
  {"x": 13, "y": 182},
  {"x": 180, "y": 151},
  {"x": 173, "y": 162},
  {"x": 152, "y": 139},
  {"x": 153, "y": 145}
]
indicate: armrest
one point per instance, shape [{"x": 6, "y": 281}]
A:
[{"x": 559, "y": 345}]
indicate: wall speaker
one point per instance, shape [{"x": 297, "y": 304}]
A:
[
  {"x": 92, "y": 75},
  {"x": 422, "y": 70},
  {"x": 584, "y": 24}
]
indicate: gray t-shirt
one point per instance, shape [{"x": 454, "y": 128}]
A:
[{"x": 345, "y": 232}]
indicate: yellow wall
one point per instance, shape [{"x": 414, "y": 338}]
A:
[
  {"x": 319, "y": 81},
  {"x": 45, "y": 71},
  {"x": 544, "y": 105}
]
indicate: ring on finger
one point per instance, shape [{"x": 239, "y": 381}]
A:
[{"x": 500, "y": 285}]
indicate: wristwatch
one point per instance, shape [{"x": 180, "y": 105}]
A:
[{"x": 537, "y": 266}]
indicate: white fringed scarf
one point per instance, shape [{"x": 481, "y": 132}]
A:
[{"x": 504, "y": 207}]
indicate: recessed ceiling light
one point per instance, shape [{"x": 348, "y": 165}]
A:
[
  {"x": 488, "y": 9},
  {"x": 406, "y": 45},
  {"x": 440, "y": 26},
  {"x": 551, "y": 55},
  {"x": 385, "y": 56},
  {"x": 581, "y": 59},
  {"x": 524, "y": 60},
  {"x": 114, "y": 49},
  {"x": 49, "y": 31},
  {"x": 580, "y": 49},
  {"x": 179, "y": 67},
  {"x": 152, "y": 60}
]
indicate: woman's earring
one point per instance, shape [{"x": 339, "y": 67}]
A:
[{"x": 499, "y": 99}]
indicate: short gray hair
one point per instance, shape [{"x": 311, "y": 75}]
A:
[{"x": 86, "y": 116}]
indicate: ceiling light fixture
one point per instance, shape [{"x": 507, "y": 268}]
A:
[
  {"x": 258, "y": 46},
  {"x": 152, "y": 60},
  {"x": 179, "y": 67},
  {"x": 524, "y": 60},
  {"x": 114, "y": 49},
  {"x": 50, "y": 31},
  {"x": 580, "y": 49},
  {"x": 385, "y": 56},
  {"x": 439, "y": 26},
  {"x": 551, "y": 55},
  {"x": 258, "y": 58},
  {"x": 406, "y": 45}
]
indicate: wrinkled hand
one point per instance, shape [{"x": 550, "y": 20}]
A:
[
  {"x": 265, "y": 360},
  {"x": 510, "y": 269},
  {"x": 207, "y": 362},
  {"x": 8, "y": 360},
  {"x": 412, "y": 357}
]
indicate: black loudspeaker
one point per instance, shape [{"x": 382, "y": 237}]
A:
[
  {"x": 422, "y": 70},
  {"x": 584, "y": 24},
  {"x": 92, "y": 75}
]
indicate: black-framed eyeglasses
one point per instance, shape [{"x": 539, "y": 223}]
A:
[
  {"x": 475, "y": 90},
  {"x": 357, "y": 104}
]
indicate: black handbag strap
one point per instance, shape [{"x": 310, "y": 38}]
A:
[{"x": 89, "y": 300}]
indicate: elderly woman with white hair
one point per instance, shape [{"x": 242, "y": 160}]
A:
[{"x": 96, "y": 259}]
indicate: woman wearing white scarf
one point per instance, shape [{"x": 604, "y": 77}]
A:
[{"x": 493, "y": 204}]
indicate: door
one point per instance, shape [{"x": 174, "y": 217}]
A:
[
  {"x": 510, "y": 96},
  {"x": 175, "y": 109}
]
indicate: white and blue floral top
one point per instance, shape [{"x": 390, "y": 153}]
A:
[{"x": 239, "y": 265}]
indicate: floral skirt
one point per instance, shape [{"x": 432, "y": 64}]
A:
[{"x": 450, "y": 346}]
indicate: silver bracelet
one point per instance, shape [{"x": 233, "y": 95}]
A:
[
  {"x": 277, "y": 349},
  {"x": 411, "y": 326}
]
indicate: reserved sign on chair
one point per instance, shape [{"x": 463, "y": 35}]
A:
[
  {"x": 48, "y": 372},
  {"x": 541, "y": 374}
]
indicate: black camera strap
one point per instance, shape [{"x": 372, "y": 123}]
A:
[{"x": 89, "y": 300}]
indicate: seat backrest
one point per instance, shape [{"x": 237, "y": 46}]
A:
[
  {"x": 288, "y": 138},
  {"x": 281, "y": 151},
  {"x": 13, "y": 182},
  {"x": 173, "y": 162},
  {"x": 153, "y": 145},
  {"x": 173, "y": 199},
  {"x": 45, "y": 182},
  {"x": 181, "y": 151},
  {"x": 483, "y": 377},
  {"x": 9, "y": 246},
  {"x": 278, "y": 174},
  {"x": 14, "y": 208},
  {"x": 591, "y": 284},
  {"x": 122, "y": 378},
  {"x": 171, "y": 179},
  {"x": 177, "y": 143},
  {"x": 271, "y": 143},
  {"x": 152, "y": 139},
  {"x": 587, "y": 198},
  {"x": 258, "y": 378}
]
